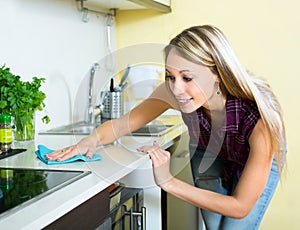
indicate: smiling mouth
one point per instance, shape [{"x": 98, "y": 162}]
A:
[{"x": 184, "y": 101}]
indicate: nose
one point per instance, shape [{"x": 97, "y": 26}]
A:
[{"x": 178, "y": 87}]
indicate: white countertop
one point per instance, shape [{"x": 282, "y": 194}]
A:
[{"x": 117, "y": 161}]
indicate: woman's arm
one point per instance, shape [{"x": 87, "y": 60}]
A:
[
  {"x": 139, "y": 116},
  {"x": 157, "y": 103},
  {"x": 111, "y": 130},
  {"x": 247, "y": 192}
]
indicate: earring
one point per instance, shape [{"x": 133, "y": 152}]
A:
[{"x": 219, "y": 92}]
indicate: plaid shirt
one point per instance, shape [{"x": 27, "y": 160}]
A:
[{"x": 231, "y": 141}]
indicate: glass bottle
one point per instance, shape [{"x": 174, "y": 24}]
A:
[{"x": 5, "y": 132}]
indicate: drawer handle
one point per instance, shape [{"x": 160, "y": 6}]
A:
[
  {"x": 183, "y": 155},
  {"x": 133, "y": 214}
]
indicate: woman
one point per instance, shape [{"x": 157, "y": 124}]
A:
[{"x": 235, "y": 125}]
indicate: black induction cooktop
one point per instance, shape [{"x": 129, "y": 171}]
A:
[{"x": 19, "y": 187}]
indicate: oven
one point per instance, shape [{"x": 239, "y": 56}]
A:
[{"x": 129, "y": 213}]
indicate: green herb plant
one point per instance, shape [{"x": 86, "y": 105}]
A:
[{"x": 21, "y": 99}]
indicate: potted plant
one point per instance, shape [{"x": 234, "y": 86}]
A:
[{"x": 21, "y": 100}]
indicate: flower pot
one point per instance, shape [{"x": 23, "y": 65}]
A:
[{"x": 24, "y": 128}]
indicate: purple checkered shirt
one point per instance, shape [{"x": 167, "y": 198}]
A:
[{"x": 231, "y": 141}]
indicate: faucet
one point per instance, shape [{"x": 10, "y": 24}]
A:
[{"x": 90, "y": 111}]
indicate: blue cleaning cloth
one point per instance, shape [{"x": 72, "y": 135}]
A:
[{"x": 43, "y": 151}]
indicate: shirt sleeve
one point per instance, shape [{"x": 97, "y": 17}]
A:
[{"x": 249, "y": 118}]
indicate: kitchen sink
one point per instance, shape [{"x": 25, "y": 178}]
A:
[
  {"x": 152, "y": 130},
  {"x": 82, "y": 128},
  {"x": 79, "y": 128}
]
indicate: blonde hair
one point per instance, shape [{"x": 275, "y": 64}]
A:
[{"x": 207, "y": 45}]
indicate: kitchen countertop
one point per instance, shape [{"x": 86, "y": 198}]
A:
[{"x": 118, "y": 160}]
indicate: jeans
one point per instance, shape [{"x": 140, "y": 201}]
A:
[{"x": 211, "y": 180}]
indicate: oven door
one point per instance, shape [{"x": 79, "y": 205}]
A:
[{"x": 129, "y": 214}]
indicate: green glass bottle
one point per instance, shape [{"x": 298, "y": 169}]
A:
[{"x": 5, "y": 132}]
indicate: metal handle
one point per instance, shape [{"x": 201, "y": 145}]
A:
[
  {"x": 133, "y": 214},
  {"x": 183, "y": 155}
]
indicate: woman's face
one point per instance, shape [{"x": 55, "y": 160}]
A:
[{"x": 192, "y": 84}]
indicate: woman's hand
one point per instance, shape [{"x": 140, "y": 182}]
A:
[
  {"x": 160, "y": 162},
  {"x": 87, "y": 146}
]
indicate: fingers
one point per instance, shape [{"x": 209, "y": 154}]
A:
[
  {"x": 148, "y": 148},
  {"x": 89, "y": 154},
  {"x": 155, "y": 143},
  {"x": 158, "y": 155},
  {"x": 63, "y": 154},
  {"x": 160, "y": 162}
]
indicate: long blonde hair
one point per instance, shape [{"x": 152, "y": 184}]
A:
[{"x": 207, "y": 45}]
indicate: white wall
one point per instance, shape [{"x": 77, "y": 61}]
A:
[{"x": 47, "y": 38}]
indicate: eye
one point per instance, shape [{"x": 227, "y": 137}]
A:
[
  {"x": 169, "y": 77},
  {"x": 187, "y": 78}
]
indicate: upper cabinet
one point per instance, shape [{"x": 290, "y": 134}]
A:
[{"x": 159, "y": 5}]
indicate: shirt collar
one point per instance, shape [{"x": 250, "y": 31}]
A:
[{"x": 233, "y": 106}]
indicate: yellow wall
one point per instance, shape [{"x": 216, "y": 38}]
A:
[{"x": 265, "y": 35}]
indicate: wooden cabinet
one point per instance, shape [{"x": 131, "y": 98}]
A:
[{"x": 88, "y": 215}]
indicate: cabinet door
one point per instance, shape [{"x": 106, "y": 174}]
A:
[{"x": 88, "y": 215}]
